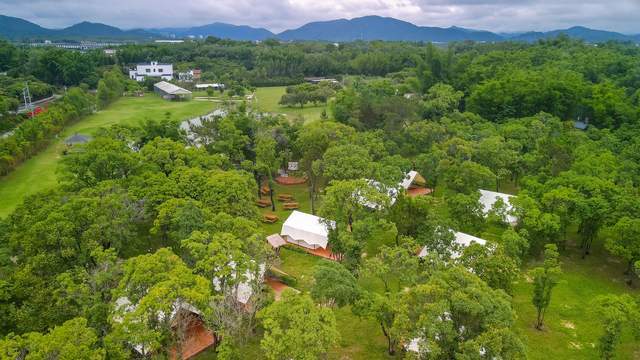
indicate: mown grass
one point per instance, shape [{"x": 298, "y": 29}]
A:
[
  {"x": 571, "y": 328},
  {"x": 38, "y": 173},
  {"x": 267, "y": 101}
]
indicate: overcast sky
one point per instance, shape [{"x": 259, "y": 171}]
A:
[{"x": 277, "y": 15}]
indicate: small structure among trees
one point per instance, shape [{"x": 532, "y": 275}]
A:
[
  {"x": 76, "y": 139},
  {"x": 489, "y": 199},
  {"x": 415, "y": 184},
  {"x": 460, "y": 240},
  {"x": 171, "y": 92}
]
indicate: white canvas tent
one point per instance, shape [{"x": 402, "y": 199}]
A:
[
  {"x": 306, "y": 230},
  {"x": 409, "y": 181},
  {"x": 489, "y": 198},
  {"x": 460, "y": 238},
  {"x": 243, "y": 290}
]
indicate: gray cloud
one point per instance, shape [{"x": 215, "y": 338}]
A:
[{"x": 277, "y": 15}]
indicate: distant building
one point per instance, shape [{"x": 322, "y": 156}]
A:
[
  {"x": 318, "y": 80},
  {"x": 153, "y": 69},
  {"x": 77, "y": 139},
  {"x": 191, "y": 75},
  {"x": 110, "y": 52},
  {"x": 580, "y": 125},
  {"x": 215, "y": 86},
  {"x": 169, "y": 41},
  {"x": 171, "y": 92}
]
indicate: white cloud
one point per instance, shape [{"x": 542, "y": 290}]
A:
[{"x": 277, "y": 15}]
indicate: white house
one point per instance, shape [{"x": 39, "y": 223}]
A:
[
  {"x": 153, "y": 69},
  {"x": 489, "y": 198},
  {"x": 460, "y": 238},
  {"x": 307, "y": 230}
]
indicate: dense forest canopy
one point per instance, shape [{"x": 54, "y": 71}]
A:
[{"x": 143, "y": 214}]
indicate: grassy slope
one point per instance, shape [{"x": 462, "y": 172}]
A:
[
  {"x": 268, "y": 98},
  {"x": 38, "y": 173}
]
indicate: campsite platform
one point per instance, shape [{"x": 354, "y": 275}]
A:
[
  {"x": 198, "y": 338},
  {"x": 277, "y": 286},
  {"x": 419, "y": 192},
  {"x": 290, "y": 180},
  {"x": 324, "y": 253}
]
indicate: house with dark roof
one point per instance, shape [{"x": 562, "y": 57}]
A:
[{"x": 77, "y": 139}]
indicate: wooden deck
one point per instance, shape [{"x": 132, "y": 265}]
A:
[
  {"x": 277, "y": 286},
  {"x": 198, "y": 339},
  {"x": 419, "y": 192},
  {"x": 324, "y": 253},
  {"x": 290, "y": 180}
]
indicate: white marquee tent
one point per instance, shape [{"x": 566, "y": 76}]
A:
[
  {"x": 306, "y": 230},
  {"x": 461, "y": 239},
  {"x": 489, "y": 198}
]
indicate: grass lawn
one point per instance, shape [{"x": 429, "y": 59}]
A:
[
  {"x": 268, "y": 98},
  {"x": 38, "y": 173},
  {"x": 571, "y": 329},
  {"x": 300, "y": 195}
]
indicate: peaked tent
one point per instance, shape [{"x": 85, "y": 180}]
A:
[
  {"x": 307, "y": 230},
  {"x": 415, "y": 184}
]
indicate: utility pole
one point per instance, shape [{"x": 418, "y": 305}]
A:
[{"x": 26, "y": 95}]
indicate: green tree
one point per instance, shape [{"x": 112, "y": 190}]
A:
[
  {"x": 346, "y": 162},
  {"x": 153, "y": 286},
  {"x": 615, "y": 312},
  {"x": 624, "y": 241},
  {"x": 455, "y": 314},
  {"x": 71, "y": 340},
  {"x": 545, "y": 278},
  {"x": 295, "y": 328},
  {"x": 440, "y": 100},
  {"x": 334, "y": 284}
]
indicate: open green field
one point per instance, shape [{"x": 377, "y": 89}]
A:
[
  {"x": 268, "y": 98},
  {"x": 38, "y": 173},
  {"x": 571, "y": 328}
]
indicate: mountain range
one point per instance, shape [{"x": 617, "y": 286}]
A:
[
  {"x": 342, "y": 30},
  {"x": 14, "y": 28}
]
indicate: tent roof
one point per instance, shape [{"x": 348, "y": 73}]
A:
[
  {"x": 275, "y": 240},
  {"x": 307, "y": 228},
  {"x": 461, "y": 239},
  {"x": 307, "y": 222},
  {"x": 169, "y": 88},
  {"x": 77, "y": 139},
  {"x": 489, "y": 198},
  {"x": 409, "y": 178}
]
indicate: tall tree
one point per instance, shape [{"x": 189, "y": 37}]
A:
[
  {"x": 545, "y": 278},
  {"x": 295, "y": 328}
]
